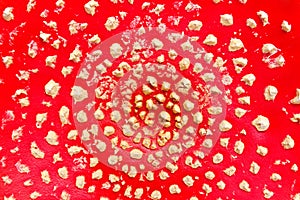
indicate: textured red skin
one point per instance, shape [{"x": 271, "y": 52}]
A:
[{"x": 286, "y": 79}]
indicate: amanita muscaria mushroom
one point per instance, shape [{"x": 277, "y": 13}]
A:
[{"x": 88, "y": 112}]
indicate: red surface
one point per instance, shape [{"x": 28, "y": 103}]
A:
[{"x": 286, "y": 79}]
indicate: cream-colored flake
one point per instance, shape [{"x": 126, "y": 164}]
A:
[
  {"x": 28, "y": 183},
  {"x": 269, "y": 48},
  {"x": 275, "y": 177},
  {"x": 239, "y": 112},
  {"x": 66, "y": 71},
  {"x": 267, "y": 193},
  {"x": 146, "y": 89},
  {"x": 115, "y": 116},
  {"x": 288, "y": 142},
  {"x": 224, "y": 142},
  {"x": 95, "y": 39},
  {"x": 208, "y": 57},
  {"x": 270, "y": 93},
  {"x": 97, "y": 175},
  {"x": 218, "y": 158},
  {"x": 230, "y": 171},
  {"x": 22, "y": 168},
  {"x": 116, "y": 50},
  {"x": 60, "y": 3},
  {"x": 215, "y": 110},
  {"x": 74, "y": 27},
  {"x": 254, "y": 168},
  {"x": 244, "y": 185},
  {"x": 40, "y": 119},
  {"x": 123, "y": 14},
  {"x": 239, "y": 147},
  {"x": 184, "y": 64},
  {"x": 188, "y": 181},
  {"x": 240, "y": 61},
  {"x": 56, "y": 43},
  {"x": 90, "y": 7},
  {"x": 138, "y": 193},
  {"x": 91, "y": 189},
  {"x": 261, "y": 123},
  {"x": 157, "y": 44},
  {"x": 249, "y": 79},
  {"x": 296, "y": 196},
  {"x": 294, "y": 168},
  {"x": 80, "y": 182},
  {"x": 251, "y": 23},
  {"x": 150, "y": 176},
  {"x": 172, "y": 54},
  {"x": 64, "y": 113},
  {"x": 111, "y": 23},
  {"x": 136, "y": 154},
  {"x": 63, "y": 172},
  {"x": 209, "y": 175},
  {"x": 235, "y": 44},
  {"x": 192, "y": 7},
  {"x": 197, "y": 118},
  {"x": 72, "y": 135},
  {"x": 24, "y": 102},
  {"x": 160, "y": 59},
  {"x": 207, "y": 188},
  {"x": 113, "y": 178},
  {"x": 219, "y": 62},
  {"x": 6, "y": 180},
  {"x": 116, "y": 188},
  {"x": 263, "y": 17},
  {"x": 160, "y": 98},
  {"x": 36, "y": 151},
  {"x": 210, "y": 40},
  {"x": 35, "y": 195},
  {"x": 74, "y": 150},
  {"x": 207, "y": 143},
  {"x": 279, "y": 62},
  {"x": 7, "y": 61},
  {"x": 188, "y": 105},
  {"x": 127, "y": 192},
  {"x": 221, "y": 185},
  {"x": 109, "y": 130},
  {"x": 76, "y": 55},
  {"x": 155, "y": 195},
  {"x": 163, "y": 175},
  {"x": 65, "y": 196},
  {"x": 172, "y": 167},
  {"x": 296, "y": 99},
  {"x": 195, "y": 25},
  {"x": 51, "y": 138},
  {"x": 261, "y": 150},
  {"x": 217, "y": 1},
  {"x": 239, "y": 90},
  {"x": 225, "y": 126},
  {"x": 285, "y": 26},
  {"x": 50, "y": 61},
  {"x": 79, "y": 94},
  {"x": 295, "y": 118},
  {"x": 52, "y": 88},
  {"x": 45, "y": 36},
  {"x": 45, "y": 176},
  {"x": 51, "y": 24},
  {"x": 93, "y": 162},
  {"x": 57, "y": 158},
  {"x": 174, "y": 189},
  {"x": 98, "y": 114},
  {"x": 8, "y": 14},
  {"x": 226, "y": 19},
  {"x": 207, "y": 77}
]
